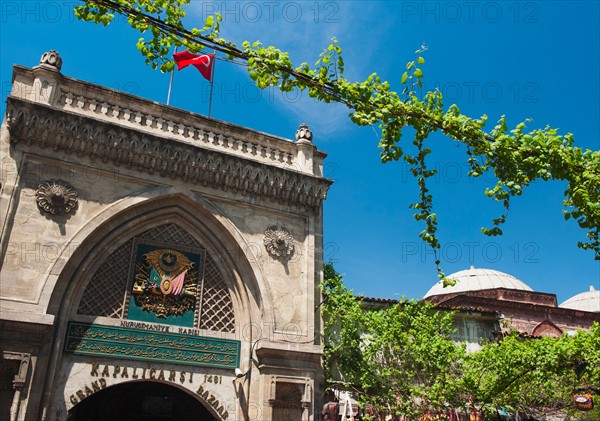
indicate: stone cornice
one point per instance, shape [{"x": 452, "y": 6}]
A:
[
  {"x": 293, "y": 355},
  {"x": 24, "y": 330},
  {"x": 78, "y": 134},
  {"x": 45, "y": 85},
  {"x": 503, "y": 294},
  {"x": 465, "y": 301}
]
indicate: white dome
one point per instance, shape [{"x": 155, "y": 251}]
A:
[
  {"x": 586, "y": 301},
  {"x": 477, "y": 279}
]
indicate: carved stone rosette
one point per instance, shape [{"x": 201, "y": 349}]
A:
[
  {"x": 279, "y": 242},
  {"x": 56, "y": 197}
]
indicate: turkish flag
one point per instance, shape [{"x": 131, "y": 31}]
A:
[
  {"x": 177, "y": 283},
  {"x": 203, "y": 63}
]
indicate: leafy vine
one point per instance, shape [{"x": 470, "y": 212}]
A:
[{"x": 515, "y": 157}]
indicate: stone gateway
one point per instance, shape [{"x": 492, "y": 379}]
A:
[{"x": 156, "y": 264}]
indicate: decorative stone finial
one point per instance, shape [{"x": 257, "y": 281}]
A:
[
  {"x": 52, "y": 58},
  {"x": 279, "y": 242},
  {"x": 56, "y": 197},
  {"x": 303, "y": 134}
]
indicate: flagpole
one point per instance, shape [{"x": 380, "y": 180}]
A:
[
  {"x": 170, "y": 86},
  {"x": 212, "y": 81},
  {"x": 171, "y": 82}
]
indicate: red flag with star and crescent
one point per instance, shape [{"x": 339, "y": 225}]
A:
[{"x": 204, "y": 63}]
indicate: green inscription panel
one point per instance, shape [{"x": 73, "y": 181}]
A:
[{"x": 139, "y": 344}]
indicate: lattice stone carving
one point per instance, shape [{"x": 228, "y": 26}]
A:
[
  {"x": 173, "y": 234},
  {"x": 217, "y": 308},
  {"x": 106, "y": 293}
]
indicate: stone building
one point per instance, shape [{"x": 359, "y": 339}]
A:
[
  {"x": 490, "y": 302},
  {"x": 156, "y": 264}
]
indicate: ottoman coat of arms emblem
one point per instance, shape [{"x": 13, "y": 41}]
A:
[{"x": 165, "y": 283}]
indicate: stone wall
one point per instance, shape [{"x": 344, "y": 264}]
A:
[{"x": 85, "y": 169}]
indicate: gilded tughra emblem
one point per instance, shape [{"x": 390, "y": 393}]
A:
[{"x": 165, "y": 283}]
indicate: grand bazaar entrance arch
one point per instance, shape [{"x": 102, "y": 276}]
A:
[
  {"x": 150, "y": 317},
  {"x": 141, "y": 401}
]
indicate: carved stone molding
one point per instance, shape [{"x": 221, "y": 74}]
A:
[
  {"x": 23, "y": 360},
  {"x": 56, "y": 197},
  {"x": 52, "y": 58},
  {"x": 76, "y": 135},
  {"x": 287, "y": 391},
  {"x": 18, "y": 381},
  {"x": 303, "y": 134},
  {"x": 279, "y": 242}
]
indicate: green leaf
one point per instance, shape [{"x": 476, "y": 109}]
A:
[{"x": 512, "y": 156}]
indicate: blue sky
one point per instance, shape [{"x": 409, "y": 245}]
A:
[{"x": 529, "y": 59}]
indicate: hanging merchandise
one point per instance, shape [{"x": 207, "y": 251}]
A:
[
  {"x": 348, "y": 412},
  {"x": 474, "y": 416},
  {"x": 583, "y": 399},
  {"x": 330, "y": 411}
]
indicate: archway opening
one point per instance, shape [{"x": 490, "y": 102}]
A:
[{"x": 140, "y": 401}]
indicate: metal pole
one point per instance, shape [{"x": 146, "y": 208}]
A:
[
  {"x": 170, "y": 87},
  {"x": 212, "y": 81},
  {"x": 171, "y": 82}
]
